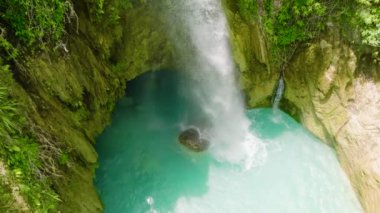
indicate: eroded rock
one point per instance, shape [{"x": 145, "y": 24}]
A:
[{"x": 339, "y": 103}]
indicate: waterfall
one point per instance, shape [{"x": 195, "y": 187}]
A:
[
  {"x": 277, "y": 96},
  {"x": 205, "y": 53}
]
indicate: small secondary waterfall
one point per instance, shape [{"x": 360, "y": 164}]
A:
[
  {"x": 277, "y": 96},
  {"x": 206, "y": 55}
]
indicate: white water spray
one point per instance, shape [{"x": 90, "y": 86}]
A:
[{"x": 207, "y": 57}]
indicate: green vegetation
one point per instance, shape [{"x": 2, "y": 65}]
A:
[
  {"x": 6, "y": 198},
  {"x": 289, "y": 24},
  {"x": 247, "y": 9},
  {"x": 9, "y": 52},
  {"x": 109, "y": 14},
  {"x": 292, "y": 23},
  {"x": 369, "y": 21},
  {"x": 33, "y": 149},
  {"x": 21, "y": 155},
  {"x": 36, "y": 24},
  {"x": 9, "y": 120},
  {"x": 34, "y": 21},
  {"x": 99, "y": 7}
]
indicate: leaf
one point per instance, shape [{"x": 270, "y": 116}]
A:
[{"x": 15, "y": 148}]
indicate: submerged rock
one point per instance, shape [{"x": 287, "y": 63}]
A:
[{"x": 191, "y": 138}]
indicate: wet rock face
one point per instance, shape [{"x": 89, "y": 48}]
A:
[
  {"x": 339, "y": 101},
  {"x": 191, "y": 138}
]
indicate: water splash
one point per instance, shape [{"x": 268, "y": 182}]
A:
[
  {"x": 150, "y": 202},
  {"x": 207, "y": 58}
]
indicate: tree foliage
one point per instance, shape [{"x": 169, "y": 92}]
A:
[
  {"x": 295, "y": 21},
  {"x": 34, "y": 21},
  {"x": 368, "y": 13},
  {"x": 290, "y": 23}
]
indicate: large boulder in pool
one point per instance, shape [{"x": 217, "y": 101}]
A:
[{"x": 191, "y": 138}]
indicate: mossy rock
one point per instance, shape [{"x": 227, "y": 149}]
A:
[{"x": 191, "y": 138}]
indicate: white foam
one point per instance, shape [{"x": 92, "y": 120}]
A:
[{"x": 150, "y": 202}]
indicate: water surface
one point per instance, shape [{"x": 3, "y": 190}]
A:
[{"x": 144, "y": 169}]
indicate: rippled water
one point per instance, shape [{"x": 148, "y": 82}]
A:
[{"x": 142, "y": 167}]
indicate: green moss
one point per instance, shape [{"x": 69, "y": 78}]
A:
[
  {"x": 6, "y": 198},
  {"x": 368, "y": 15},
  {"x": 20, "y": 151},
  {"x": 248, "y": 9},
  {"x": 111, "y": 12}
]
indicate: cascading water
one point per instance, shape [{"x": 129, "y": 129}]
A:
[
  {"x": 279, "y": 91},
  {"x": 206, "y": 54}
]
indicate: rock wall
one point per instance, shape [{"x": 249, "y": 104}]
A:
[
  {"x": 332, "y": 88},
  {"x": 257, "y": 77},
  {"x": 70, "y": 93},
  {"x": 338, "y": 99}
]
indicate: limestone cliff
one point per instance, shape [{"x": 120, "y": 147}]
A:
[
  {"x": 256, "y": 75},
  {"x": 332, "y": 88},
  {"x": 337, "y": 97},
  {"x": 70, "y": 91}
]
